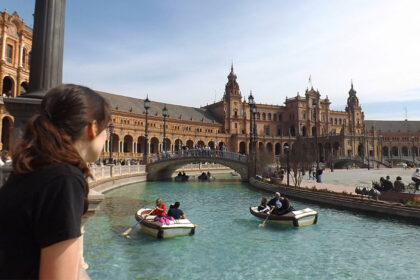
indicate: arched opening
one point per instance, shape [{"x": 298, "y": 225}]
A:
[
  {"x": 321, "y": 152},
  {"x": 336, "y": 148},
  {"x": 115, "y": 142},
  {"x": 8, "y": 87},
  {"x": 404, "y": 151},
  {"x": 242, "y": 147},
  {"x": 304, "y": 131},
  {"x": 385, "y": 151},
  {"x": 178, "y": 144},
  {"x": 200, "y": 144},
  {"x": 128, "y": 144},
  {"x": 140, "y": 144},
  {"x": 167, "y": 145},
  {"x": 23, "y": 87},
  {"x": 211, "y": 145},
  {"x": 261, "y": 146},
  {"x": 222, "y": 146},
  {"x": 360, "y": 150},
  {"x": 154, "y": 145},
  {"x": 292, "y": 131},
  {"x": 6, "y": 131},
  {"x": 394, "y": 151},
  {"x": 313, "y": 131},
  {"x": 277, "y": 149},
  {"x": 269, "y": 147},
  {"x": 190, "y": 144}
]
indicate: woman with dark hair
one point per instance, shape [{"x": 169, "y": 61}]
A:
[{"x": 43, "y": 200}]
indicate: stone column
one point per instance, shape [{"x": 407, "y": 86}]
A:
[
  {"x": 48, "y": 45},
  {"x": 3, "y": 45},
  {"x": 47, "y": 61}
]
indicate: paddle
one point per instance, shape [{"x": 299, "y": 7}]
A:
[
  {"x": 127, "y": 232},
  {"x": 269, "y": 213}
]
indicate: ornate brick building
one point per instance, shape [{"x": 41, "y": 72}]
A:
[{"x": 339, "y": 134}]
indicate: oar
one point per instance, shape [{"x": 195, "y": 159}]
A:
[
  {"x": 269, "y": 213},
  {"x": 127, "y": 232}
]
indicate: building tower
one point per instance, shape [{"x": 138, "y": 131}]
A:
[{"x": 232, "y": 105}]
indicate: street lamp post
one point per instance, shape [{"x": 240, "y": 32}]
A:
[
  {"x": 111, "y": 130},
  {"x": 287, "y": 150},
  {"x": 413, "y": 151},
  {"x": 331, "y": 154},
  {"x": 390, "y": 151},
  {"x": 314, "y": 104},
  {"x": 165, "y": 115},
  {"x": 146, "y": 135},
  {"x": 251, "y": 114},
  {"x": 254, "y": 148},
  {"x": 368, "y": 152},
  {"x": 382, "y": 150}
]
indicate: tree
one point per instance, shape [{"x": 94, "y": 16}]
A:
[{"x": 301, "y": 158}]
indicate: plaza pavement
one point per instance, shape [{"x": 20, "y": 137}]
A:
[{"x": 346, "y": 180}]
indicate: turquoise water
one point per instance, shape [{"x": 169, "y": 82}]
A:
[{"x": 229, "y": 244}]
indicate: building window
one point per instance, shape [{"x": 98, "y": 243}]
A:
[
  {"x": 24, "y": 57},
  {"x": 339, "y": 121},
  {"x": 274, "y": 117},
  {"x": 279, "y": 117},
  {"x": 258, "y": 116},
  {"x": 9, "y": 53},
  {"x": 269, "y": 116},
  {"x": 236, "y": 125},
  {"x": 278, "y": 131},
  {"x": 267, "y": 129},
  {"x": 263, "y": 116}
]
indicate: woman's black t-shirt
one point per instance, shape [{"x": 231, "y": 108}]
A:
[{"x": 36, "y": 211}]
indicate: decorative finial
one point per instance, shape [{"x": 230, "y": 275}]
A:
[
  {"x": 351, "y": 80},
  {"x": 231, "y": 67}
]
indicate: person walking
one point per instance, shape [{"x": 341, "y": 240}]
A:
[
  {"x": 46, "y": 194},
  {"x": 416, "y": 178}
]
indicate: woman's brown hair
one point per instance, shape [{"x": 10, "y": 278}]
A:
[{"x": 48, "y": 137}]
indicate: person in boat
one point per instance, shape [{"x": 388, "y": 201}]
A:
[
  {"x": 208, "y": 175},
  {"x": 281, "y": 205},
  {"x": 175, "y": 212},
  {"x": 387, "y": 185},
  {"x": 399, "y": 185},
  {"x": 183, "y": 174},
  {"x": 416, "y": 178},
  {"x": 263, "y": 207},
  {"x": 160, "y": 212},
  {"x": 179, "y": 174}
]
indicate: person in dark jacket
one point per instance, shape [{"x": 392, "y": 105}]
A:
[
  {"x": 387, "y": 184},
  {"x": 399, "y": 185},
  {"x": 281, "y": 205},
  {"x": 175, "y": 212}
]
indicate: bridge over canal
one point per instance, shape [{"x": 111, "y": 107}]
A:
[{"x": 162, "y": 166}]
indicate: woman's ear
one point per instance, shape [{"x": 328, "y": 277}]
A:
[{"x": 92, "y": 130}]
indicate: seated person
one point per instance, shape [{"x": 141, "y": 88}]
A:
[
  {"x": 399, "y": 185},
  {"x": 175, "y": 212},
  {"x": 160, "y": 209},
  {"x": 279, "y": 204},
  {"x": 179, "y": 174},
  {"x": 416, "y": 178},
  {"x": 387, "y": 184},
  {"x": 263, "y": 207}
]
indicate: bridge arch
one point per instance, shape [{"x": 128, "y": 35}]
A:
[{"x": 162, "y": 168}]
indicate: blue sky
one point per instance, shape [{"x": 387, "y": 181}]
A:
[{"x": 180, "y": 51}]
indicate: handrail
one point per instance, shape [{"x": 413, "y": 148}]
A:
[{"x": 198, "y": 153}]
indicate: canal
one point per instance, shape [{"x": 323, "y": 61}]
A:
[{"x": 229, "y": 244}]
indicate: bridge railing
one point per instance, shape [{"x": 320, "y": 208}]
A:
[{"x": 198, "y": 153}]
